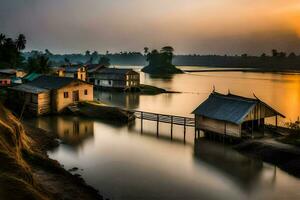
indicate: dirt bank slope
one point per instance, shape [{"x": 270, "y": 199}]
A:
[{"x": 25, "y": 170}]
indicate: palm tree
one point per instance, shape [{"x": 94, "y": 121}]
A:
[
  {"x": 146, "y": 50},
  {"x": 274, "y": 53},
  {"x": 67, "y": 61},
  {"x": 87, "y": 53},
  {"x": 44, "y": 64},
  {"x": 2, "y": 39},
  {"x": 20, "y": 42},
  {"x": 167, "y": 53},
  {"x": 104, "y": 60},
  {"x": 168, "y": 49},
  {"x": 39, "y": 64},
  {"x": 8, "y": 42}
]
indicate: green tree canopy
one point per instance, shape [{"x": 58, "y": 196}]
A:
[
  {"x": 21, "y": 42},
  {"x": 10, "y": 55},
  {"x": 38, "y": 64},
  {"x": 104, "y": 60}
]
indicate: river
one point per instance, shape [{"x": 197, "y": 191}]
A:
[{"x": 124, "y": 163}]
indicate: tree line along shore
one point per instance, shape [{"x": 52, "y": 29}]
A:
[
  {"x": 271, "y": 61},
  {"x": 12, "y": 55}
]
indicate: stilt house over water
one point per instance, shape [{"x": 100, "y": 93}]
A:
[
  {"x": 50, "y": 94},
  {"x": 232, "y": 115}
]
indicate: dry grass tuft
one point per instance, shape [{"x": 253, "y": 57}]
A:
[{"x": 16, "y": 179}]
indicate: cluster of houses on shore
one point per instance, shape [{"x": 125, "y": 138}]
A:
[
  {"x": 10, "y": 77},
  {"x": 40, "y": 94},
  {"x": 227, "y": 115}
]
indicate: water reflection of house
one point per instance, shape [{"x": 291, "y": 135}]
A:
[
  {"x": 72, "y": 130},
  {"x": 50, "y": 94},
  {"x": 126, "y": 100},
  {"x": 243, "y": 169},
  {"x": 233, "y": 115}
]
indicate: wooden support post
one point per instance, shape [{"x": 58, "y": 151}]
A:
[
  {"x": 195, "y": 122},
  {"x": 141, "y": 122},
  {"x": 224, "y": 132},
  {"x": 276, "y": 118},
  {"x": 252, "y": 130},
  {"x": 157, "y": 125},
  {"x": 184, "y": 128},
  {"x": 171, "y": 127}
]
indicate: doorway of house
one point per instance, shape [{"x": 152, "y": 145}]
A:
[{"x": 75, "y": 96}]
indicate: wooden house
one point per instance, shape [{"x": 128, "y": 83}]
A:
[
  {"x": 6, "y": 76},
  {"x": 20, "y": 73},
  {"x": 9, "y": 77},
  {"x": 232, "y": 115},
  {"x": 73, "y": 71},
  {"x": 116, "y": 78},
  {"x": 50, "y": 94},
  {"x": 91, "y": 70}
]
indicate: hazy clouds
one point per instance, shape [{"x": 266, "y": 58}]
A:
[{"x": 191, "y": 26}]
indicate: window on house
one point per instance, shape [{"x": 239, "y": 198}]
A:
[
  {"x": 85, "y": 92},
  {"x": 66, "y": 95}
]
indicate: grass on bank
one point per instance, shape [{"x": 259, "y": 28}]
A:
[
  {"x": 16, "y": 177},
  {"x": 294, "y": 137}
]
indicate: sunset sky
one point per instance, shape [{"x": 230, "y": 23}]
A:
[{"x": 190, "y": 26}]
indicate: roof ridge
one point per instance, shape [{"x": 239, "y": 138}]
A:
[{"x": 234, "y": 97}]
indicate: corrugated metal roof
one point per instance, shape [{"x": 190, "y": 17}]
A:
[
  {"x": 31, "y": 76},
  {"x": 114, "y": 71},
  {"x": 73, "y": 69},
  {"x": 94, "y": 67},
  {"x": 8, "y": 71},
  {"x": 51, "y": 82},
  {"x": 29, "y": 89},
  {"x": 45, "y": 83},
  {"x": 229, "y": 108}
]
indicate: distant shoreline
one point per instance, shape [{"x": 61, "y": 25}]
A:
[{"x": 221, "y": 69}]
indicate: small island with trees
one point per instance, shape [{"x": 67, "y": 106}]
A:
[{"x": 160, "y": 62}]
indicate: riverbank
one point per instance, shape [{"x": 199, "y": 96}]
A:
[
  {"x": 161, "y": 69},
  {"x": 285, "y": 156},
  {"x": 104, "y": 112},
  {"x": 26, "y": 170},
  {"x": 142, "y": 89},
  {"x": 56, "y": 180},
  {"x": 152, "y": 90}
]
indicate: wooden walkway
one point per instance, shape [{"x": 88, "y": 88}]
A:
[{"x": 163, "y": 118}]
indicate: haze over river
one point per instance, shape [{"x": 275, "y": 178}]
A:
[{"x": 124, "y": 163}]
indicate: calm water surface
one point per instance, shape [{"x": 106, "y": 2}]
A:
[{"x": 124, "y": 163}]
